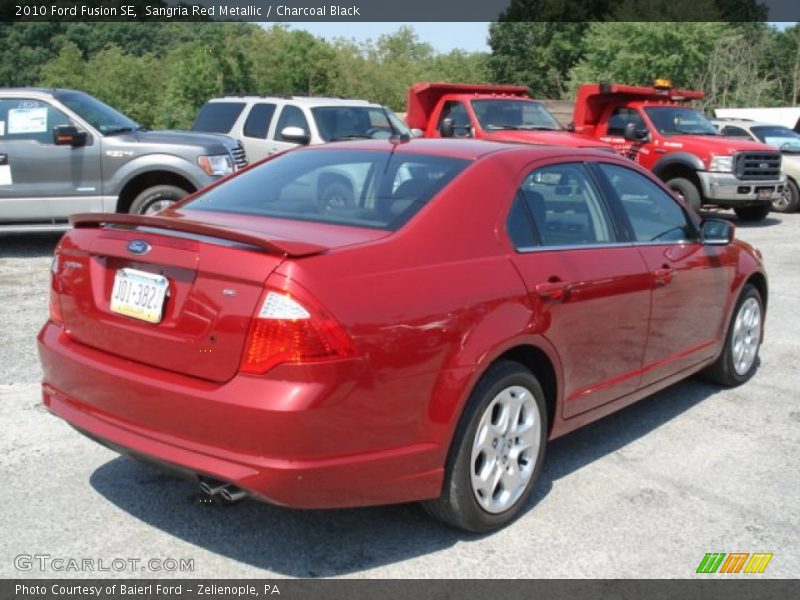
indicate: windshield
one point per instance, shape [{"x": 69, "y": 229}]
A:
[
  {"x": 355, "y": 122},
  {"x": 99, "y": 115},
  {"x": 513, "y": 114},
  {"x": 676, "y": 120},
  {"x": 362, "y": 188},
  {"x": 781, "y": 137}
]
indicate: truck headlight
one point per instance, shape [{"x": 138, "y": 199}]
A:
[
  {"x": 217, "y": 164},
  {"x": 721, "y": 164}
]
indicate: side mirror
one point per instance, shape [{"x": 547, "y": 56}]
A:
[
  {"x": 716, "y": 232},
  {"x": 447, "y": 128},
  {"x": 298, "y": 135},
  {"x": 68, "y": 135},
  {"x": 634, "y": 134}
]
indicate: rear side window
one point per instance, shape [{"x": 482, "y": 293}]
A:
[
  {"x": 257, "y": 123},
  {"x": 566, "y": 207},
  {"x": 654, "y": 215},
  {"x": 218, "y": 117},
  {"x": 348, "y": 187}
]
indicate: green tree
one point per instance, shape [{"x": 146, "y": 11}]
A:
[
  {"x": 539, "y": 55},
  {"x": 636, "y": 53}
]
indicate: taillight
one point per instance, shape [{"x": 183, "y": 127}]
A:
[
  {"x": 293, "y": 328},
  {"x": 55, "y": 304}
]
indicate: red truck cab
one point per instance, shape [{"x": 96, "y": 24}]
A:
[
  {"x": 500, "y": 113},
  {"x": 658, "y": 128}
]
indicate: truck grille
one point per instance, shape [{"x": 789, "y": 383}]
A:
[
  {"x": 757, "y": 165},
  {"x": 239, "y": 156}
]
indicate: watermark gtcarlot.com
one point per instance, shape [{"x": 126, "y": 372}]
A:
[{"x": 46, "y": 563}]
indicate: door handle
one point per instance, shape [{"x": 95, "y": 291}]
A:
[
  {"x": 3, "y": 159},
  {"x": 664, "y": 275},
  {"x": 552, "y": 291}
]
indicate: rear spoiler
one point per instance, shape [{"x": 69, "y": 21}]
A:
[{"x": 273, "y": 246}]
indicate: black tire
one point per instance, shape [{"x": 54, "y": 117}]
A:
[
  {"x": 789, "y": 202},
  {"x": 458, "y": 505},
  {"x": 686, "y": 190},
  {"x": 756, "y": 212},
  {"x": 158, "y": 195},
  {"x": 723, "y": 371}
]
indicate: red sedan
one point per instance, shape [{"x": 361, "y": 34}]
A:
[{"x": 392, "y": 321}]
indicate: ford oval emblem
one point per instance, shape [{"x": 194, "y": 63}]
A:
[{"x": 139, "y": 247}]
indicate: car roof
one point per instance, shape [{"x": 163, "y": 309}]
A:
[
  {"x": 36, "y": 90},
  {"x": 470, "y": 149},
  {"x": 745, "y": 123},
  {"x": 301, "y": 100}
]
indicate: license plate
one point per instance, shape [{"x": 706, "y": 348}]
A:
[
  {"x": 764, "y": 193},
  {"x": 139, "y": 295}
]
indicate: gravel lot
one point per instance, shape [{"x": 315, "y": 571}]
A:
[{"x": 643, "y": 493}]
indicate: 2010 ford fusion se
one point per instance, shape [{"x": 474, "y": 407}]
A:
[{"x": 392, "y": 321}]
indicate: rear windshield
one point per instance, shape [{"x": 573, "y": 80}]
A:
[
  {"x": 217, "y": 117},
  {"x": 363, "y": 188}
]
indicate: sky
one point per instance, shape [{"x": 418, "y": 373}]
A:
[{"x": 442, "y": 36}]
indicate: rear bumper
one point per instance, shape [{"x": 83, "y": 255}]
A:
[
  {"x": 296, "y": 439},
  {"x": 731, "y": 191}
]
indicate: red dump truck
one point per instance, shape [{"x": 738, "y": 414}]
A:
[
  {"x": 502, "y": 113},
  {"x": 658, "y": 128}
]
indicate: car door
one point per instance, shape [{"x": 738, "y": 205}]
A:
[
  {"x": 40, "y": 181},
  {"x": 255, "y": 131},
  {"x": 689, "y": 281},
  {"x": 289, "y": 116},
  {"x": 588, "y": 288}
]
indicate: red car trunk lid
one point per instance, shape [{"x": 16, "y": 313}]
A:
[{"x": 215, "y": 278}]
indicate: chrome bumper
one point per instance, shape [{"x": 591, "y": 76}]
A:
[{"x": 726, "y": 187}]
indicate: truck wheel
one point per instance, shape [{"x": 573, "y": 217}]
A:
[
  {"x": 686, "y": 191},
  {"x": 155, "y": 199},
  {"x": 789, "y": 201},
  {"x": 739, "y": 358},
  {"x": 497, "y": 452},
  {"x": 757, "y": 212}
]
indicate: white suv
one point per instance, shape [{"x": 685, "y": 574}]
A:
[{"x": 267, "y": 125}]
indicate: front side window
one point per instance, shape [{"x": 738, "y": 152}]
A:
[
  {"x": 257, "y": 123},
  {"x": 620, "y": 118},
  {"x": 360, "y": 188},
  {"x": 654, "y": 215},
  {"x": 458, "y": 113},
  {"x": 513, "y": 114},
  {"x": 566, "y": 207},
  {"x": 28, "y": 119},
  {"x": 679, "y": 120},
  {"x": 291, "y": 116}
]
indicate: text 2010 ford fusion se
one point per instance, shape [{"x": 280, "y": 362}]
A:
[{"x": 419, "y": 334}]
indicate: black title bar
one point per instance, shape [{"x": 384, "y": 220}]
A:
[{"x": 269, "y": 11}]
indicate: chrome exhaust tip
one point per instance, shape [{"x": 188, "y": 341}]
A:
[
  {"x": 231, "y": 493},
  {"x": 212, "y": 487}
]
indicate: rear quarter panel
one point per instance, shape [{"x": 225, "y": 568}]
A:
[{"x": 430, "y": 304}]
